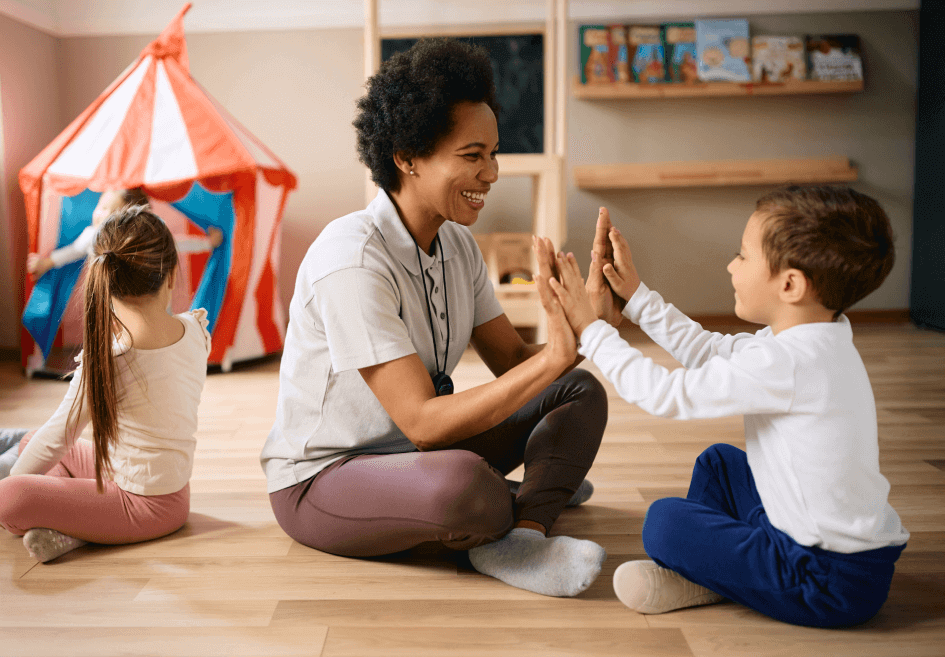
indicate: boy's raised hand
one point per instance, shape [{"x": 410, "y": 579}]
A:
[
  {"x": 622, "y": 275},
  {"x": 607, "y": 304},
  {"x": 572, "y": 295}
]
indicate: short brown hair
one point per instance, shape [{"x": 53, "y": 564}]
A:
[{"x": 839, "y": 238}]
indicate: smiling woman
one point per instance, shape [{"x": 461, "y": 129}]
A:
[{"x": 370, "y": 452}]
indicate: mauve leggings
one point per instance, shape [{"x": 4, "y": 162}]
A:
[
  {"x": 369, "y": 505},
  {"x": 65, "y": 499}
]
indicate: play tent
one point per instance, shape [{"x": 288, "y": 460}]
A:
[{"x": 155, "y": 127}]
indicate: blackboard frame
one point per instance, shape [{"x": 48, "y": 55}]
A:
[{"x": 518, "y": 64}]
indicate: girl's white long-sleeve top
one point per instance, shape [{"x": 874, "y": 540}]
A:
[
  {"x": 159, "y": 391},
  {"x": 810, "y": 416}
]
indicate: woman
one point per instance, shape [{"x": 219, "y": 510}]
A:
[{"x": 369, "y": 453}]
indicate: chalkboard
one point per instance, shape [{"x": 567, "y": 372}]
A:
[{"x": 519, "y": 79}]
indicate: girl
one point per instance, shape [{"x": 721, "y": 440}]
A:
[
  {"x": 138, "y": 381},
  {"x": 110, "y": 201}
]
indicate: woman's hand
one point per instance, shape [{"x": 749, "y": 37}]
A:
[
  {"x": 607, "y": 304},
  {"x": 622, "y": 275},
  {"x": 562, "y": 345},
  {"x": 572, "y": 295}
]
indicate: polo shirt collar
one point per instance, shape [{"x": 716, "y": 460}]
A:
[{"x": 398, "y": 238}]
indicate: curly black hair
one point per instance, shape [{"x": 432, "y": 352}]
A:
[{"x": 409, "y": 103}]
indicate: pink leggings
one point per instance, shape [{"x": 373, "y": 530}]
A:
[{"x": 65, "y": 499}]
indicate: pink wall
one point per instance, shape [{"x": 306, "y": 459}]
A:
[{"x": 31, "y": 118}]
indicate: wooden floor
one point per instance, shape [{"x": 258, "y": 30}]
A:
[{"x": 232, "y": 583}]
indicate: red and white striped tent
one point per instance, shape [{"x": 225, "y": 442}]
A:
[{"x": 156, "y": 128}]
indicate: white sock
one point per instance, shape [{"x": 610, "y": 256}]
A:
[
  {"x": 650, "y": 589},
  {"x": 581, "y": 495},
  {"x": 47, "y": 544},
  {"x": 560, "y": 566}
]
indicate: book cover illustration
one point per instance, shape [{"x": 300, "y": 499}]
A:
[
  {"x": 834, "y": 57},
  {"x": 679, "y": 41},
  {"x": 777, "y": 59},
  {"x": 595, "y": 55},
  {"x": 619, "y": 53},
  {"x": 723, "y": 49},
  {"x": 646, "y": 44}
]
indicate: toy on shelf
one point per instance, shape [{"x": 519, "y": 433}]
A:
[
  {"x": 508, "y": 258},
  {"x": 202, "y": 170}
]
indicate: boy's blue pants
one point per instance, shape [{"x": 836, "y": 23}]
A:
[{"x": 720, "y": 537}]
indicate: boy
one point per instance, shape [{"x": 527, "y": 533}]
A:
[{"x": 798, "y": 526}]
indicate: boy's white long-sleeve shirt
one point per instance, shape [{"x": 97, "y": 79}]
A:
[{"x": 810, "y": 417}]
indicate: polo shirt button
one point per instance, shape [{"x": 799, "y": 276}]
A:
[
  {"x": 436, "y": 289},
  {"x": 442, "y": 315}
]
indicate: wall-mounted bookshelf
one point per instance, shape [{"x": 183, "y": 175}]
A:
[
  {"x": 714, "y": 173},
  {"x": 633, "y": 91}
]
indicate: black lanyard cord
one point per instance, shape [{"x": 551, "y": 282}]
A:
[{"x": 446, "y": 301}]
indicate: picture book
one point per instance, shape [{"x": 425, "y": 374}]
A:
[
  {"x": 595, "y": 54},
  {"x": 777, "y": 59},
  {"x": 679, "y": 42},
  {"x": 723, "y": 49},
  {"x": 619, "y": 54},
  {"x": 834, "y": 57},
  {"x": 646, "y": 46}
]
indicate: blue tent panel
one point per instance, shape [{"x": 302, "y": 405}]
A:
[
  {"x": 206, "y": 208},
  {"x": 47, "y": 303}
]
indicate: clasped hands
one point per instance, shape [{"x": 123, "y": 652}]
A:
[{"x": 571, "y": 303}]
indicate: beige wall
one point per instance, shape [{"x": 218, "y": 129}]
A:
[
  {"x": 29, "y": 99},
  {"x": 683, "y": 239},
  {"x": 296, "y": 90}
]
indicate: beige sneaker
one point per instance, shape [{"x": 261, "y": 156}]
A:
[{"x": 649, "y": 589}]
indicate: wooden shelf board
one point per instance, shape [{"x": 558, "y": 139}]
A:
[
  {"x": 525, "y": 164},
  {"x": 714, "y": 173},
  {"x": 630, "y": 91}
]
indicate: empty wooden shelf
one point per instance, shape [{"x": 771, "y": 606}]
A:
[{"x": 714, "y": 173}]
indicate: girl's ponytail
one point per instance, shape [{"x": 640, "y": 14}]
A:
[{"x": 99, "y": 370}]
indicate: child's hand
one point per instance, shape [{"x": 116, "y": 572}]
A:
[
  {"x": 607, "y": 304},
  {"x": 216, "y": 236},
  {"x": 572, "y": 295},
  {"x": 621, "y": 275},
  {"x": 37, "y": 265}
]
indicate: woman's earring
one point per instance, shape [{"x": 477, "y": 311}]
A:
[{"x": 412, "y": 173}]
